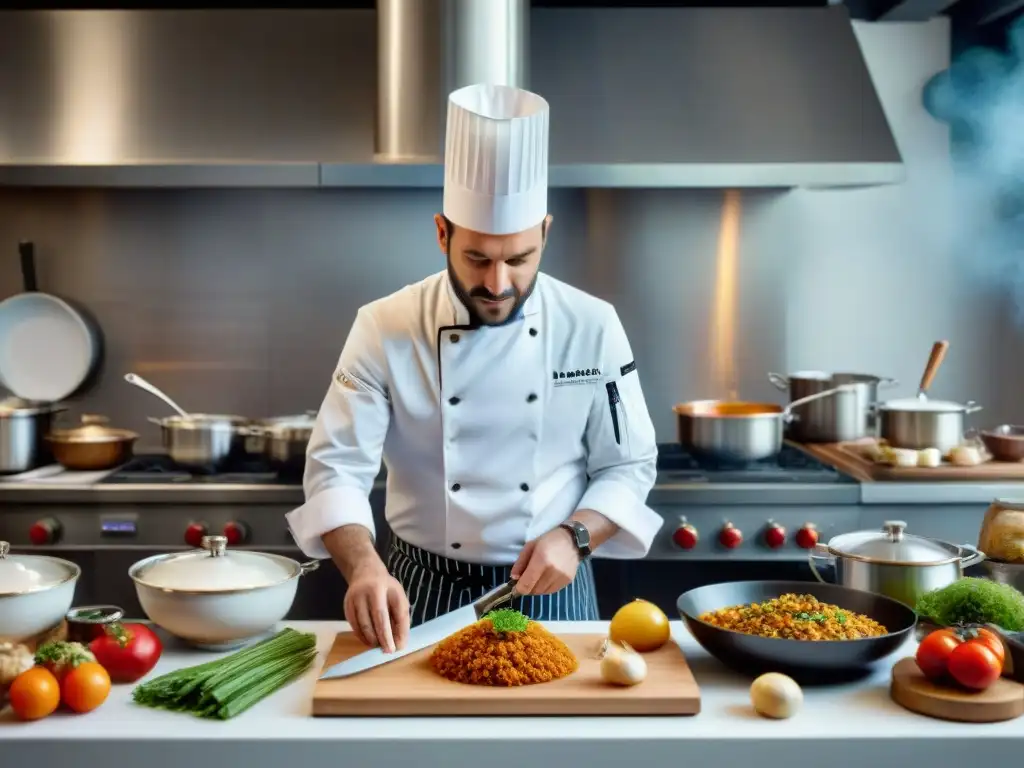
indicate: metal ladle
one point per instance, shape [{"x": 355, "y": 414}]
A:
[
  {"x": 141, "y": 383},
  {"x": 939, "y": 350}
]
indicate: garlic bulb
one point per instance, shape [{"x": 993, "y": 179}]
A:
[
  {"x": 929, "y": 457},
  {"x": 966, "y": 456},
  {"x": 621, "y": 665},
  {"x": 776, "y": 696},
  {"x": 904, "y": 457}
]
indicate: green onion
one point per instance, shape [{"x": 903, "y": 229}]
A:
[{"x": 226, "y": 687}]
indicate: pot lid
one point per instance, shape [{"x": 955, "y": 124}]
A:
[
  {"x": 914, "y": 404},
  {"x": 214, "y": 569},
  {"x": 893, "y": 545},
  {"x": 29, "y": 573},
  {"x": 17, "y": 406},
  {"x": 92, "y": 430}
]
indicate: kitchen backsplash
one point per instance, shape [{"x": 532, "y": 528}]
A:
[{"x": 239, "y": 301}]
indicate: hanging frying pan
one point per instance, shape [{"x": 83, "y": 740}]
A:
[{"x": 49, "y": 348}]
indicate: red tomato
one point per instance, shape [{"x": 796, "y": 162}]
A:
[
  {"x": 127, "y": 651},
  {"x": 992, "y": 641},
  {"x": 934, "y": 651},
  {"x": 974, "y": 665}
]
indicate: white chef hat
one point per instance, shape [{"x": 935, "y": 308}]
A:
[{"x": 496, "y": 159}]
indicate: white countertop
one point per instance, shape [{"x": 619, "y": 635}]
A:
[{"x": 855, "y": 724}]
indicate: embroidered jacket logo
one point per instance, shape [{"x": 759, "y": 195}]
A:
[{"x": 587, "y": 373}]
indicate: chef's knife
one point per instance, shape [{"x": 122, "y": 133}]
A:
[{"x": 426, "y": 634}]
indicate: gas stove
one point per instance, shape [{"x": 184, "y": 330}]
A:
[
  {"x": 792, "y": 465},
  {"x": 674, "y": 465},
  {"x": 158, "y": 469}
]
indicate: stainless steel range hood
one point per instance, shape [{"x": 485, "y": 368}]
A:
[{"x": 640, "y": 97}]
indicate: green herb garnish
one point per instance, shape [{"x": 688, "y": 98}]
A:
[
  {"x": 840, "y": 617},
  {"x": 505, "y": 620},
  {"x": 974, "y": 601}
]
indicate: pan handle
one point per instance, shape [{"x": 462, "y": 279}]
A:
[
  {"x": 779, "y": 381},
  {"x": 811, "y": 557},
  {"x": 27, "y": 251}
]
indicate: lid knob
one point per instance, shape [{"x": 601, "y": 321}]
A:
[
  {"x": 895, "y": 529},
  {"x": 5, "y": 549},
  {"x": 216, "y": 544}
]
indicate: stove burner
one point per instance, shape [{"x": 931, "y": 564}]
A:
[
  {"x": 158, "y": 469},
  {"x": 791, "y": 466}
]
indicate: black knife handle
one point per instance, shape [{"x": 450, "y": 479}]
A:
[{"x": 496, "y": 598}]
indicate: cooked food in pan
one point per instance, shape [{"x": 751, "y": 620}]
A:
[{"x": 795, "y": 617}]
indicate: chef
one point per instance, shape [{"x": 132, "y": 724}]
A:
[{"x": 506, "y": 406}]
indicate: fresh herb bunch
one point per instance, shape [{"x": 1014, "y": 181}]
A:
[
  {"x": 974, "y": 601},
  {"x": 505, "y": 620}
]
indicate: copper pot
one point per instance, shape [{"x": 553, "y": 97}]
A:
[{"x": 92, "y": 446}]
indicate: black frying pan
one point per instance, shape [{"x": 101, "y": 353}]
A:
[{"x": 803, "y": 660}]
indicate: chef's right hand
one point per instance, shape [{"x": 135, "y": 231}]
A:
[{"x": 377, "y": 608}]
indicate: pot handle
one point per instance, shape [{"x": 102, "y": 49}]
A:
[
  {"x": 308, "y": 567},
  {"x": 779, "y": 381},
  {"x": 811, "y": 557},
  {"x": 887, "y": 381},
  {"x": 971, "y": 407},
  {"x": 974, "y": 556}
]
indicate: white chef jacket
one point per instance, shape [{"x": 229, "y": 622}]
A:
[{"x": 491, "y": 435}]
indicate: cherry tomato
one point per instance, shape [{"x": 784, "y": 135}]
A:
[
  {"x": 974, "y": 665},
  {"x": 992, "y": 641},
  {"x": 34, "y": 694},
  {"x": 934, "y": 651},
  {"x": 85, "y": 687}
]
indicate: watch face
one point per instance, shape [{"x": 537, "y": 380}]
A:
[{"x": 582, "y": 535}]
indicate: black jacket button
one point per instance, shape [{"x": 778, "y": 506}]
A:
[
  {"x": 456, "y": 487},
  {"x": 454, "y": 338},
  {"x": 533, "y": 331},
  {"x": 524, "y": 487},
  {"x": 531, "y": 397},
  {"x": 453, "y": 400}
]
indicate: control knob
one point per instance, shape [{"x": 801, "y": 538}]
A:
[
  {"x": 685, "y": 536},
  {"x": 236, "y": 533},
  {"x": 730, "y": 536},
  {"x": 45, "y": 531},
  {"x": 194, "y": 534},
  {"x": 774, "y": 535},
  {"x": 807, "y": 536}
]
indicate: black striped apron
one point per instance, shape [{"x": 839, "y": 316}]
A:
[{"x": 436, "y": 585}]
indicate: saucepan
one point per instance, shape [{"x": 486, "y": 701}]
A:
[
  {"x": 919, "y": 422},
  {"x": 215, "y": 599},
  {"x": 844, "y": 418},
  {"x": 737, "y": 432},
  {"x": 894, "y": 563},
  {"x": 203, "y": 441}
]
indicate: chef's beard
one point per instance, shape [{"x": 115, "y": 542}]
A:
[{"x": 467, "y": 296}]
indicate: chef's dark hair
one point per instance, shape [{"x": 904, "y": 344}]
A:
[{"x": 449, "y": 228}]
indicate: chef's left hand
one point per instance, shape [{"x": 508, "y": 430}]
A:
[{"x": 546, "y": 564}]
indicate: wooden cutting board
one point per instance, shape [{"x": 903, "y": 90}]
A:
[
  {"x": 846, "y": 457},
  {"x": 1004, "y": 700},
  {"x": 410, "y": 687}
]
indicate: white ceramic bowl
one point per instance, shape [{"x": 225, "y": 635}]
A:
[
  {"x": 217, "y": 600},
  {"x": 36, "y": 592}
]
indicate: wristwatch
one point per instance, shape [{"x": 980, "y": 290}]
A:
[{"x": 580, "y": 537}]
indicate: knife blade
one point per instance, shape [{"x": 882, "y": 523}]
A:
[{"x": 426, "y": 634}]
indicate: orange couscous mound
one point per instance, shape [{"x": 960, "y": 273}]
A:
[{"x": 503, "y": 648}]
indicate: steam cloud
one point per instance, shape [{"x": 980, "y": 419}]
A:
[{"x": 981, "y": 96}]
